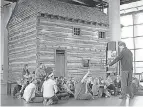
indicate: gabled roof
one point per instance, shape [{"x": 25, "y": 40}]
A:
[
  {"x": 66, "y": 10},
  {"x": 72, "y": 11}
]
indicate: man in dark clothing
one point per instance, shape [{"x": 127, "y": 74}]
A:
[{"x": 126, "y": 58}]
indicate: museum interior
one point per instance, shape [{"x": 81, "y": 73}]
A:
[{"x": 70, "y": 38}]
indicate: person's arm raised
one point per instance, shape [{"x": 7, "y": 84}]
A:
[{"x": 85, "y": 76}]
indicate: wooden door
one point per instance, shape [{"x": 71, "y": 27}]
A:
[{"x": 60, "y": 63}]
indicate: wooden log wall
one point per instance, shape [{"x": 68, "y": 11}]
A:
[
  {"x": 22, "y": 40},
  {"x": 54, "y": 33}
]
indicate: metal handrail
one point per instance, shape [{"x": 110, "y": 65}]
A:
[{"x": 131, "y": 8}]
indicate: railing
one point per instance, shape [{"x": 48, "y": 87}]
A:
[
  {"x": 139, "y": 75},
  {"x": 132, "y": 9}
]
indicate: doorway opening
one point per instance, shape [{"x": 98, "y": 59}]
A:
[{"x": 60, "y": 63}]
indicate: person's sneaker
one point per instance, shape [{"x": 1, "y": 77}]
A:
[
  {"x": 44, "y": 102},
  {"x": 19, "y": 97},
  {"x": 93, "y": 97},
  {"x": 50, "y": 102},
  {"x": 14, "y": 96},
  {"x": 26, "y": 102},
  {"x": 107, "y": 96},
  {"x": 131, "y": 97},
  {"x": 67, "y": 98},
  {"x": 122, "y": 97},
  {"x": 62, "y": 98},
  {"x": 115, "y": 94}
]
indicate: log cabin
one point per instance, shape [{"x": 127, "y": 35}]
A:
[{"x": 58, "y": 34}]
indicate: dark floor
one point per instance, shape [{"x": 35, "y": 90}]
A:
[{"x": 112, "y": 101}]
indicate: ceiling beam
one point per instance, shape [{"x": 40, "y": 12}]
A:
[
  {"x": 12, "y": 0},
  {"x": 127, "y": 1},
  {"x": 90, "y": 3}
]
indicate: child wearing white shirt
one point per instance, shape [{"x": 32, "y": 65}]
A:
[
  {"x": 49, "y": 89},
  {"x": 30, "y": 90}
]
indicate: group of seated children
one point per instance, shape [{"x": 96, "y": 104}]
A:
[
  {"x": 23, "y": 82},
  {"x": 88, "y": 88},
  {"x": 42, "y": 83}
]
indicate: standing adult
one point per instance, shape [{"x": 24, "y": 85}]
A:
[
  {"x": 126, "y": 58},
  {"x": 26, "y": 80},
  {"x": 25, "y": 70},
  {"x": 42, "y": 71},
  {"x": 40, "y": 75},
  {"x": 22, "y": 83}
]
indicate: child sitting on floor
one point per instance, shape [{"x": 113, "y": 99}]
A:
[
  {"x": 110, "y": 85},
  {"x": 71, "y": 85},
  {"x": 17, "y": 88},
  {"x": 89, "y": 85},
  {"x": 27, "y": 79},
  {"x": 49, "y": 89},
  {"x": 62, "y": 91},
  {"x": 30, "y": 91},
  {"x": 95, "y": 87},
  {"x": 81, "y": 89},
  {"x": 117, "y": 83},
  {"x": 32, "y": 76},
  {"x": 68, "y": 87},
  {"x": 103, "y": 92}
]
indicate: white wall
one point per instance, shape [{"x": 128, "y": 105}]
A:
[{"x": 6, "y": 11}]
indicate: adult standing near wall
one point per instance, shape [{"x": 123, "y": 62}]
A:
[
  {"x": 40, "y": 75},
  {"x": 22, "y": 82},
  {"x": 25, "y": 69},
  {"x": 126, "y": 58}
]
